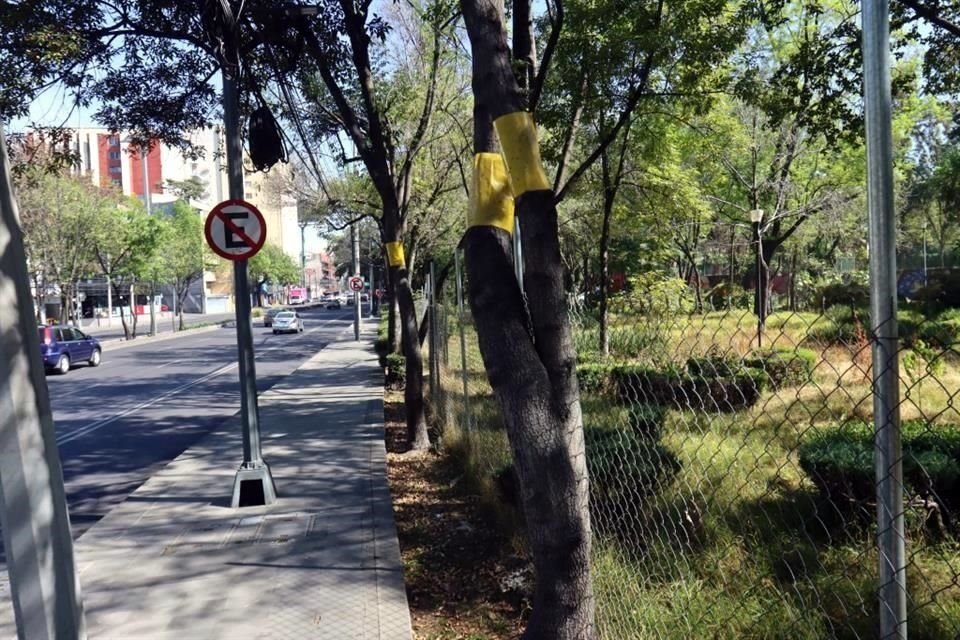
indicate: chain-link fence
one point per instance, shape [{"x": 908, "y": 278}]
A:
[{"x": 734, "y": 490}]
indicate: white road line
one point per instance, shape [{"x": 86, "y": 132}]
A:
[
  {"x": 94, "y": 426},
  {"x": 90, "y": 428},
  {"x": 167, "y": 364}
]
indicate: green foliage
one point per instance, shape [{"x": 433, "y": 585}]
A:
[
  {"x": 396, "y": 370},
  {"x": 855, "y": 295},
  {"x": 654, "y": 294},
  {"x": 783, "y": 367},
  {"x": 272, "y": 265},
  {"x": 624, "y": 467},
  {"x": 672, "y": 387},
  {"x": 594, "y": 377},
  {"x": 840, "y": 462},
  {"x": 646, "y": 420},
  {"x": 715, "y": 364}
]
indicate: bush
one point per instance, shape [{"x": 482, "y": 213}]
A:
[
  {"x": 783, "y": 367},
  {"x": 256, "y": 312},
  {"x": 646, "y": 420},
  {"x": 671, "y": 387},
  {"x": 594, "y": 377},
  {"x": 941, "y": 333},
  {"x": 840, "y": 463},
  {"x": 396, "y": 370},
  {"x": 715, "y": 365},
  {"x": 727, "y": 296},
  {"x": 624, "y": 466},
  {"x": 848, "y": 294}
]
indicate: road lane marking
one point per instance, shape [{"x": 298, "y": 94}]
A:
[
  {"x": 94, "y": 426},
  {"x": 90, "y": 428}
]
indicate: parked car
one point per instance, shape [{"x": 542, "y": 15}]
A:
[
  {"x": 62, "y": 347},
  {"x": 334, "y": 304},
  {"x": 270, "y": 314},
  {"x": 287, "y": 322}
]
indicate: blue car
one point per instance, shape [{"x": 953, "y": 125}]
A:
[{"x": 63, "y": 347}]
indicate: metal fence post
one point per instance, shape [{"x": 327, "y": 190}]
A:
[
  {"x": 883, "y": 310},
  {"x": 463, "y": 340}
]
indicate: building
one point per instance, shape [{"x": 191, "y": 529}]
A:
[{"x": 111, "y": 161}]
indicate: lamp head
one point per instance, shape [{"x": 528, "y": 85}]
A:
[{"x": 756, "y": 215}]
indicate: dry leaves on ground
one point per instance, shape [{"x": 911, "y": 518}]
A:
[{"x": 454, "y": 561}]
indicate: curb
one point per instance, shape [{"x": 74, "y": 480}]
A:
[{"x": 119, "y": 343}]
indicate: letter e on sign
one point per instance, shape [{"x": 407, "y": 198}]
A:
[{"x": 235, "y": 230}]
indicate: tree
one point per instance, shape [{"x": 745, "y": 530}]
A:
[
  {"x": 125, "y": 240},
  {"x": 271, "y": 265},
  {"x": 193, "y": 188},
  {"x": 186, "y": 255},
  {"x": 527, "y": 345},
  {"x": 56, "y": 212}
]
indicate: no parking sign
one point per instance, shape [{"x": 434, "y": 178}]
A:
[{"x": 235, "y": 230}]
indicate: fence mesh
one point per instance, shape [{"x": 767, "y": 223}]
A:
[{"x": 732, "y": 467}]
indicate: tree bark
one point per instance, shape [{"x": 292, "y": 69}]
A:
[
  {"x": 418, "y": 438},
  {"x": 530, "y": 360}
]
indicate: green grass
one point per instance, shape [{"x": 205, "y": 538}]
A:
[{"x": 738, "y": 545}]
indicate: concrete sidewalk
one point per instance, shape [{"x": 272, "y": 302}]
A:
[{"x": 175, "y": 562}]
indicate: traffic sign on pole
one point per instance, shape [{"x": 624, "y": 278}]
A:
[
  {"x": 356, "y": 283},
  {"x": 235, "y": 230}
]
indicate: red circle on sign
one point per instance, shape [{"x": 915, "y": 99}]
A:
[{"x": 219, "y": 213}]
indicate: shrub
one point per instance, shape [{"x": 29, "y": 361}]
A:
[
  {"x": 840, "y": 463},
  {"x": 396, "y": 370},
  {"x": 672, "y": 388},
  {"x": 941, "y": 333},
  {"x": 646, "y": 420},
  {"x": 624, "y": 466},
  {"x": 848, "y": 294},
  {"x": 715, "y": 365},
  {"x": 256, "y": 312},
  {"x": 783, "y": 367},
  {"x": 594, "y": 377}
]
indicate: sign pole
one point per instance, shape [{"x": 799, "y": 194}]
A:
[{"x": 253, "y": 484}]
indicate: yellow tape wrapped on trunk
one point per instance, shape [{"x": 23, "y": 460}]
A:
[
  {"x": 395, "y": 257},
  {"x": 491, "y": 199},
  {"x": 521, "y": 150}
]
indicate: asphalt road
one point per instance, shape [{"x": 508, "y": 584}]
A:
[{"x": 146, "y": 403}]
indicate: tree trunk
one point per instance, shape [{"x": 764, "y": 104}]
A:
[
  {"x": 529, "y": 356},
  {"x": 123, "y": 319},
  {"x": 393, "y": 314},
  {"x": 698, "y": 295},
  {"x": 133, "y": 311},
  {"x": 417, "y": 435},
  {"x": 605, "y": 271}
]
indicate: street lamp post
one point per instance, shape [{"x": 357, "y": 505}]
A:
[
  {"x": 303, "y": 253},
  {"x": 756, "y": 217}
]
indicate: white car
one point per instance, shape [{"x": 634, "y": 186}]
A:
[{"x": 287, "y": 322}]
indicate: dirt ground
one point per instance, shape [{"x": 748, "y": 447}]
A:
[{"x": 458, "y": 568}]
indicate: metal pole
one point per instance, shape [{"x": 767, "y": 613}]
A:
[
  {"x": 463, "y": 339},
  {"x": 253, "y": 485},
  {"x": 924, "y": 254},
  {"x": 44, "y": 586},
  {"x": 759, "y": 292},
  {"x": 518, "y": 251},
  {"x": 370, "y": 289},
  {"x": 356, "y": 272},
  {"x": 883, "y": 316},
  {"x": 144, "y": 151},
  {"x": 303, "y": 255}
]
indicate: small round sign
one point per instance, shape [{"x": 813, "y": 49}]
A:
[
  {"x": 235, "y": 230},
  {"x": 356, "y": 283}
]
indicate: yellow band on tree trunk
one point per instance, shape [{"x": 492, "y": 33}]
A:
[
  {"x": 491, "y": 199},
  {"x": 395, "y": 254},
  {"x": 521, "y": 150}
]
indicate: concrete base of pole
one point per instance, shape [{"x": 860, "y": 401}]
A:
[{"x": 253, "y": 486}]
